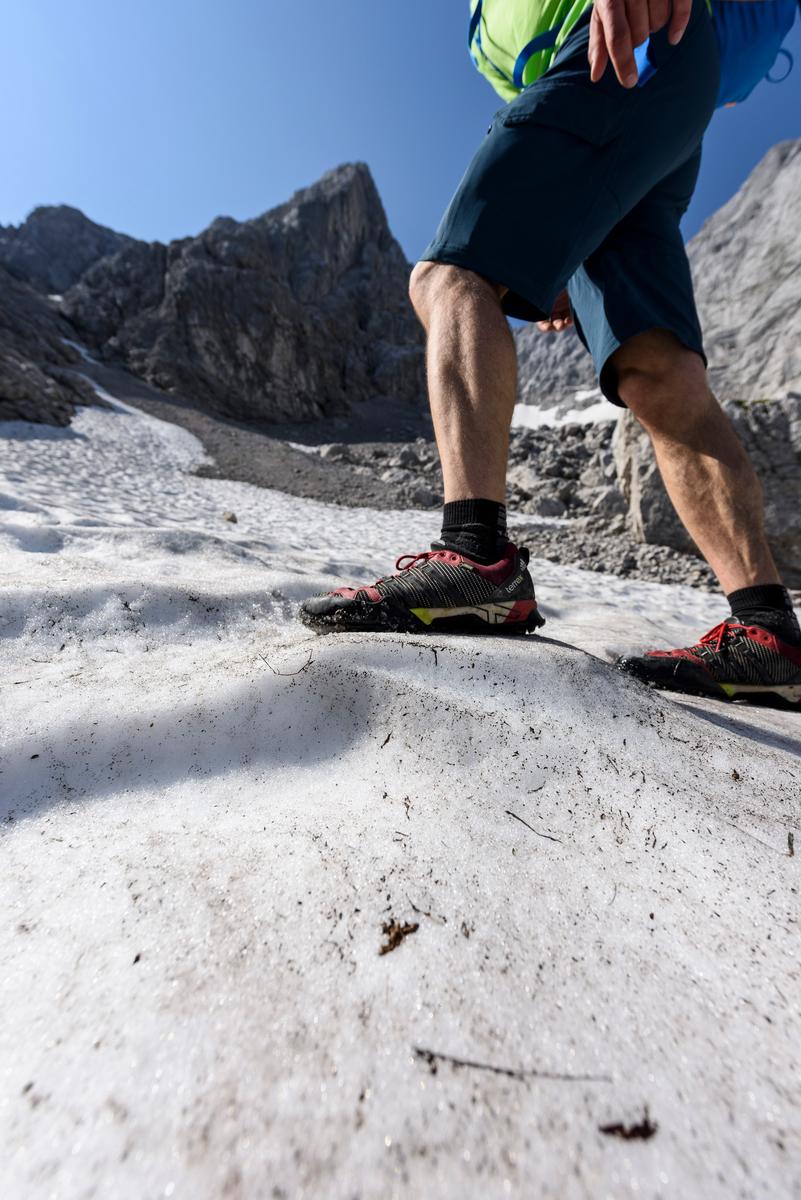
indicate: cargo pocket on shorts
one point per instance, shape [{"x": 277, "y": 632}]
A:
[{"x": 582, "y": 109}]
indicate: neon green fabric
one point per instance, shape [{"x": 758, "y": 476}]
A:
[{"x": 502, "y": 29}]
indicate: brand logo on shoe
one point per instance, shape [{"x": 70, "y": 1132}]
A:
[{"x": 510, "y": 587}]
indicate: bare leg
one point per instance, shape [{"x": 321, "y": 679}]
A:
[
  {"x": 705, "y": 469},
  {"x": 472, "y": 377}
]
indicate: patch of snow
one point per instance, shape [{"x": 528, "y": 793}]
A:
[
  {"x": 84, "y": 353},
  {"x": 213, "y": 818},
  {"x": 530, "y": 416}
]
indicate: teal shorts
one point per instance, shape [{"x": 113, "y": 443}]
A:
[{"x": 583, "y": 185}]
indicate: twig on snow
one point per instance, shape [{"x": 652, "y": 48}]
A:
[
  {"x": 432, "y": 1057},
  {"x": 549, "y": 836},
  {"x": 307, "y": 663}
]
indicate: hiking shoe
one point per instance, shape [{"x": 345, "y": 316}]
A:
[
  {"x": 732, "y": 662},
  {"x": 438, "y": 590}
]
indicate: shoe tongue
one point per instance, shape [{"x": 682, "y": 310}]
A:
[{"x": 783, "y": 625}]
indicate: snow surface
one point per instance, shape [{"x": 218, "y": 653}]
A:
[
  {"x": 210, "y": 814},
  {"x": 531, "y": 416}
]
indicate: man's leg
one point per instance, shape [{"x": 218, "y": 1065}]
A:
[
  {"x": 473, "y": 579},
  {"x": 703, "y": 464},
  {"x": 756, "y": 652},
  {"x": 472, "y": 377}
]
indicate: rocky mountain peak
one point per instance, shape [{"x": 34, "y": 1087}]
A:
[
  {"x": 54, "y": 246},
  {"x": 295, "y": 314}
]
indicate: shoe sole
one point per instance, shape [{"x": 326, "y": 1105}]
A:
[
  {"x": 513, "y": 617},
  {"x": 786, "y": 694},
  {"x": 791, "y": 693}
]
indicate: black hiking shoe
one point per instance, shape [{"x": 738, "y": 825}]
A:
[
  {"x": 732, "y": 662},
  {"x": 437, "y": 591}
]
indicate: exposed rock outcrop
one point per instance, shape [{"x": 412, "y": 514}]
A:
[
  {"x": 771, "y": 433},
  {"x": 54, "y": 247},
  {"x": 552, "y": 367},
  {"x": 747, "y": 268},
  {"x": 38, "y": 380},
  {"x": 294, "y": 315}
]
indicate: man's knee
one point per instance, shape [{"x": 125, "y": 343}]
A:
[
  {"x": 660, "y": 380},
  {"x": 433, "y": 284}
]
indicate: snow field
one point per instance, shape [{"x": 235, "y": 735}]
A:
[{"x": 214, "y": 822}]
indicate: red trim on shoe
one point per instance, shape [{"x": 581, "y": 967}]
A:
[
  {"x": 716, "y": 636},
  {"x": 521, "y": 610},
  {"x": 498, "y": 571},
  {"x": 495, "y": 572}
]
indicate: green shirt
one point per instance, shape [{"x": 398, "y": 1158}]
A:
[{"x": 513, "y": 42}]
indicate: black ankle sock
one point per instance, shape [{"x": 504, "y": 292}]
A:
[
  {"x": 475, "y": 527},
  {"x": 770, "y": 606}
]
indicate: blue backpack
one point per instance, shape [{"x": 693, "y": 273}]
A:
[{"x": 750, "y": 35}]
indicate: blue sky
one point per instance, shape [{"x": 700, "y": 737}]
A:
[{"x": 156, "y": 117}]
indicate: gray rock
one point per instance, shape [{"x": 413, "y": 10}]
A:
[
  {"x": 423, "y": 497},
  {"x": 544, "y": 506},
  {"x": 53, "y": 248},
  {"x": 608, "y": 501},
  {"x": 394, "y": 476},
  {"x": 406, "y": 457},
  {"x": 552, "y": 367},
  {"x": 335, "y": 453},
  {"x": 39, "y": 371},
  {"x": 771, "y": 433},
  {"x": 746, "y": 264},
  {"x": 295, "y": 315}
]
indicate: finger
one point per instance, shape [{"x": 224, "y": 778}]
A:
[
  {"x": 659, "y": 11},
  {"x": 679, "y": 20},
  {"x": 544, "y": 326},
  {"x": 639, "y": 19},
  {"x": 617, "y": 36},
  {"x": 599, "y": 58}
]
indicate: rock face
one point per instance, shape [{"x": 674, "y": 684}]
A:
[
  {"x": 297, "y": 314},
  {"x": 746, "y": 262},
  {"x": 37, "y": 377},
  {"x": 771, "y": 433},
  {"x": 54, "y": 246},
  {"x": 552, "y": 368}
]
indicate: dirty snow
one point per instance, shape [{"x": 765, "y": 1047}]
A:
[
  {"x": 590, "y": 407},
  {"x": 211, "y": 817}
]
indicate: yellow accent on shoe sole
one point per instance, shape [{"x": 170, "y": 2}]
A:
[
  {"x": 791, "y": 692},
  {"x": 493, "y": 614}
]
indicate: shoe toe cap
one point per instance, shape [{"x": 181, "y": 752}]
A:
[
  {"x": 668, "y": 671},
  {"x": 322, "y": 606}
]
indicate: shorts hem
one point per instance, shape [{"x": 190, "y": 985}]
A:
[
  {"x": 518, "y": 302},
  {"x": 606, "y": 374}
]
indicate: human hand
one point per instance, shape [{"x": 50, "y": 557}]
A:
[
  {"x": 617, "y": 26},
  {"x": 561, "y": 317}
]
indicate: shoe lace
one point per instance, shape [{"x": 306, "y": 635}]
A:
[
  {"x": 414, "y": 560},
  {"x": 718, "y": 635}
]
